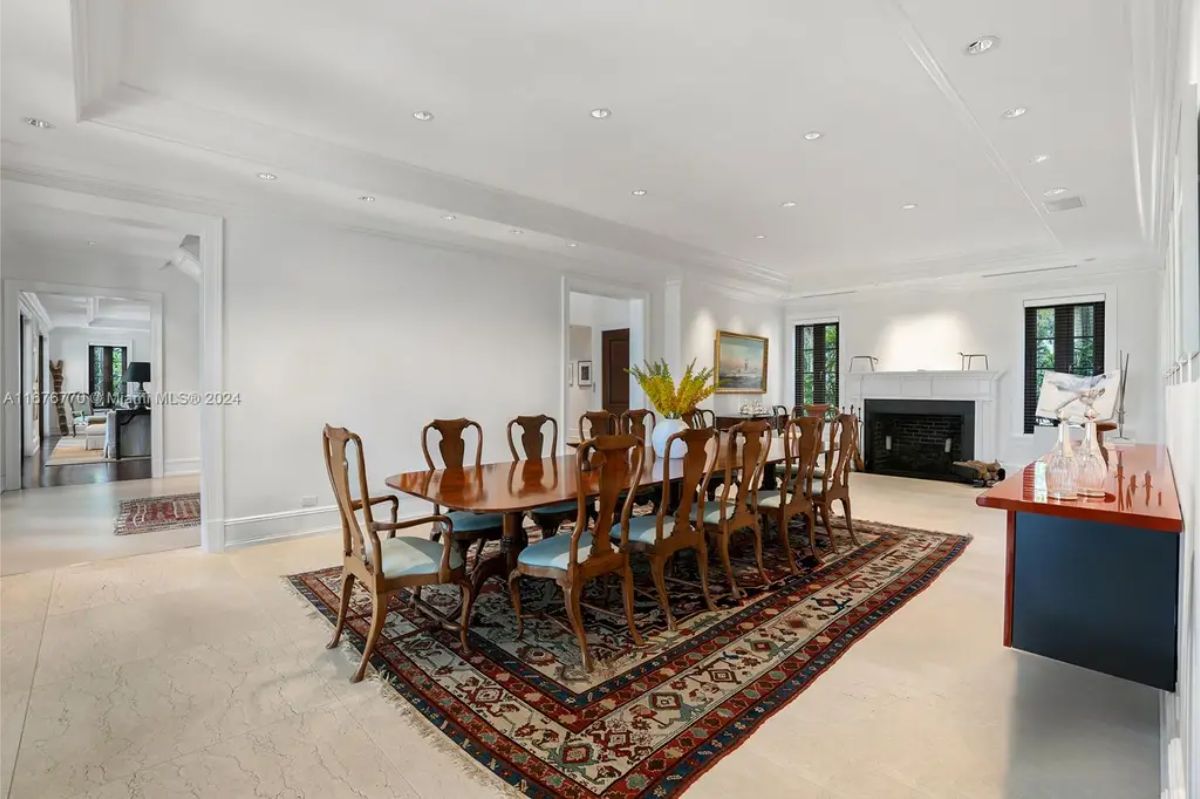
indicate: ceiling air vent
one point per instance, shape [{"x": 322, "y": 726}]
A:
[{"x": 1064, "y": 204}]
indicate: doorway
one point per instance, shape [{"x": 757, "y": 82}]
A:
[
  {"x": 614, "y": 371},
  {"x": 603, "y": 334}
]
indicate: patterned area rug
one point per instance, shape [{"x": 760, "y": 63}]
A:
[
  {"x": 148, "y": 514},
  {"x": 648, "y": 721}
]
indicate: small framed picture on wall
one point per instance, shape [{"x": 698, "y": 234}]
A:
[{"x": 585, "y": 373}]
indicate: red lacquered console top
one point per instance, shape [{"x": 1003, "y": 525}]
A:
[{"x": 1140, "y": 492}]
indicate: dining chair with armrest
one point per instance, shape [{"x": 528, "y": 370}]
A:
[
  {"x": 389, "y": 565},
  {"x": 571, "y": 561}
]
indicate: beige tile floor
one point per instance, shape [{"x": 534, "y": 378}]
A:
[
  {"x": 45, "y": 528},
  {"x": 184, "y": 674}
]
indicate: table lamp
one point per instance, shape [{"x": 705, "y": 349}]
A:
[{"x": 138, "y": 372}]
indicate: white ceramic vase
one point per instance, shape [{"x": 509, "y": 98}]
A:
[{"x": 664, "y": 430}]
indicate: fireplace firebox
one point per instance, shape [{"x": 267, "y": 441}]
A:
[{"x": 917, "y": 438}]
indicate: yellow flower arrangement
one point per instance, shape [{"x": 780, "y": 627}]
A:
[{"x": 670, "y": 400}]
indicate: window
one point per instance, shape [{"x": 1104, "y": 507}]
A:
[
  {"x": 817, "y": 364},
  {"x": 106, "y": 375},
  {"x": 1060, "y": 338}
]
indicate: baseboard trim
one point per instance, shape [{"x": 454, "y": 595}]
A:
[
  {"x": 181, "y": 466},
  {"x": 262, "y": 528},
  {"x": 1172, "y": 766}
]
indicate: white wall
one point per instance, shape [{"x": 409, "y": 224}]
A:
[
  {"x": 181, "y": 326},
  {"x": 598, "y": 314},
  {"x": 926, "y": 327},
  {"x": 70, "y": 345},
  {"x": 705, "y": 310},
  {"x": 379, "y": 335}
]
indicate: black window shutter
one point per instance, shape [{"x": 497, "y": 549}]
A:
[
  {"x": 799, "y": 365},
  {"x": 1098, "y": 337},
  {"x": 818, "y": 362},
  {"x": 1031, "y": 388}
]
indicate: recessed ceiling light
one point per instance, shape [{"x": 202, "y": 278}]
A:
[
  {"x": 983, "y": 44},
  {"x": 1013, "y": 113},
  {"x": 600, "y": 113},
  {"x": 788, "y": 204},
  {"x": 516, "y": 232},
  {"x": 423, "y": 116},
  {"x": 38, "y": 123},
  {"x": 1057, "y": 190},
  {"x": 572, "y": 244},
  {"x": 908, "y": 206},
  {"x": 1041, "y": 158},
  {"x": 813, "y": 135},
  {"x": 367, "y": 198},
  {"x": 91, "y": 244},
  {"x": 449, "y": 217},
  {"x": 639, "y": 192},
  {"x": 267, "y": 176},
  {"x": 760, "y": 236}
]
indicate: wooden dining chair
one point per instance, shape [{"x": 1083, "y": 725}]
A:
[
  {"x": 660, "y": 537},
  {"x": 802, "y": 443},
  {"x": 571, "y": 561},
  {"x": 819, "y": 409},
  {"x": 533, "y": 441},
  {"x": 781, "y": 414},
  {"x": 747, "y": 445},
  {"x": 835, "y": 477},
  {"x": 597, "y": 423},
  {"x": 700, "y": 417},
  {"x": 386, "y": 566},
  {"x": 638, "y": 422},
  {"x": 467, "y": 528}
]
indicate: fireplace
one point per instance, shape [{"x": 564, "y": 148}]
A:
[{"x": 917, "y": 438}]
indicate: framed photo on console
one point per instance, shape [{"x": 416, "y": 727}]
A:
[{"x": 740, "y": 362}]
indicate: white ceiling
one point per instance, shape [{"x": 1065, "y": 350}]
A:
[
  {"x": 709, "y": 103},
  {"x": 40, "y": 226},
  {"x": 108, "y": 313}
]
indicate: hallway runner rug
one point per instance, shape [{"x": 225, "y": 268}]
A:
[
  {"x": 647, "y": 721},
  {"x": 148, "y": 514}
]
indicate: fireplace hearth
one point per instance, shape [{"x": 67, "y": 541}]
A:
[{"x": 918, "y": 438}]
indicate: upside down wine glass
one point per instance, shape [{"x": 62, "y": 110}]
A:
[
  {"x": 1060, "y": 466},
  {"x": 1090, "y": 468}
]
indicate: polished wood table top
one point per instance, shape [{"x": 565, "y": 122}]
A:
[
  {"x": 1140, "y": 492},
  {"x": 515, "y": 486}
]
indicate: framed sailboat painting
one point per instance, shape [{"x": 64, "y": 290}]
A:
[{"x": 741, "y": 363}]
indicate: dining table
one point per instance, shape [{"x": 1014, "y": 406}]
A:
[{"x": 515, "y": 487}]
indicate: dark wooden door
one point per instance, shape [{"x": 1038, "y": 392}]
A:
[{"x": 614, "y": 379}]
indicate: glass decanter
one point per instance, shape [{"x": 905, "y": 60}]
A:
[
  {"x": 1091, "y": 470},
  {"x": 1060, "y": 466}
]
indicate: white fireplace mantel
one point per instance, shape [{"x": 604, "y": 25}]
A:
[{"x": 982, "y": 388}]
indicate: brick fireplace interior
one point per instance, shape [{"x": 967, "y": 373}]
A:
[{"x": 917, "y": 438}]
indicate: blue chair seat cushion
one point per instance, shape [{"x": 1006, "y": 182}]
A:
[
  {"x": 467, "y": 522},
  {"x": 642, "y": 529},
  {"x": 712, "y": 511},
  {"x": 555, "y": 553},
  {"x": 771, "y": 500},
  {"x": 562, "y": 507},
  {"x": 409, "y": 556}
]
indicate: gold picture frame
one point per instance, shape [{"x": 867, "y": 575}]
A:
[{"x": 740, "y": 363}]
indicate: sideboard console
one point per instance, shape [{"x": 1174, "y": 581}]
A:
[{"x": 1095, "y": 582}]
